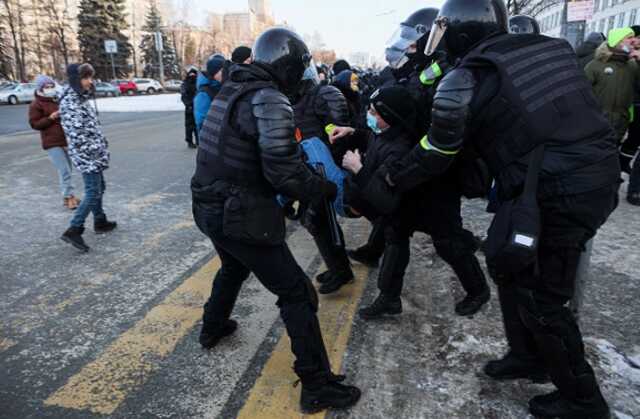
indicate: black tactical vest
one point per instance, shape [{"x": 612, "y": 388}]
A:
[
  {"x": 223, "y": 153},
  {"x": 543, "y": 97}
]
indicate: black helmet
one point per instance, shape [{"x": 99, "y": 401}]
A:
[
  {"x": 413, "y": 31},
  {"x": 284, "y": 54},
  {"x": 464, "y": 23},
  {"x": 521, "y": 24}
]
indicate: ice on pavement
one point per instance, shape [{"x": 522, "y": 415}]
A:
[{"x": 144, "y": 103}]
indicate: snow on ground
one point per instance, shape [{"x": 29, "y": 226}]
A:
[{"x": 144, "y": 103}]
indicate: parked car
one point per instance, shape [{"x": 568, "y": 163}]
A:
[
  {"x": 107, "y": 90},
  {"x": 20, "y": 92},
  {"x": 173, "y": 85},
  {"x": 127, "y": 87},
  {"x": 148, "y": 86}
]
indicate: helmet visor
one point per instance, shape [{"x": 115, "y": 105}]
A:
[
  {"x": 396, "y": 57},
  {"x": 311, "y": 72},
  {"x": 435, "y": 37}
]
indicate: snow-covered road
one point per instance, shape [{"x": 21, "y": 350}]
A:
[{"x": 145, "y": 103}]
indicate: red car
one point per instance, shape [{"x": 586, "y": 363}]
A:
[{"x": 127, "y": 87}]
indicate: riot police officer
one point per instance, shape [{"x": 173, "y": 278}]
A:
[
  {"x": 317, "y": 108},
  {"x": 247, "y": 155},
  {"x": 438, "y": 202},
  {"x": 494, "y": 103},
  {"x": 523, "y": 24}
]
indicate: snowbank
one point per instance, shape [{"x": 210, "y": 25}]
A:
[{"x": 145, "y": 103}]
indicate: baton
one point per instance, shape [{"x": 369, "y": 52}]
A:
[{"x": 331, "y": 212}]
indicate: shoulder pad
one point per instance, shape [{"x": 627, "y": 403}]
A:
[
  {"x": 459, "y": 79},
  {"x": 330, "y": 93},
  {"x": 269, "y": 95}
]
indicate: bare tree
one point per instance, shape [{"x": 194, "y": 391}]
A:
[
  {"x": 530, "y": 7},
  {"x": 59, "y": 24},
  {"x": 12, "y": 15}
]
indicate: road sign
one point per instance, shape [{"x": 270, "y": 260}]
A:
[
  {"x": 578, "y": 10},
  {"x": 111, "y": 46},
  {"x": 157, "y": 36}
]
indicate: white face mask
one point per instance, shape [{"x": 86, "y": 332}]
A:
[
  {"x": 626, "y": 48},
  {"x": 49, "y": 92}
]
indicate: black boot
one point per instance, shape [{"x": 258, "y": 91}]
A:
[
  {"x": 210, "y": 338},
  {"x": 634, "y": 198},
  {"x": 324, "y": 277},
  {"x": 588, "y": 405},
  {"x": 511, "y": 367},
  {"x": 336, "y": 281},
  {"x": 625, "y": 163},
  {"x": 101, "y": 225},
  {"x": 381, "y": 306},
  {"x": 472, "y": 279},
  {"x": 73, "y": 236},
  {"x": 323, "y": 390},
  {"x": 365, "y": 255}
]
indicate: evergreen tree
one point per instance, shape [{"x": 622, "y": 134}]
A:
[
  {"x": 100, "y": 20},
  {"x": 170, "y": 60}
]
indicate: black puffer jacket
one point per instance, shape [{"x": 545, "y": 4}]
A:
[{"x": 368, "y": 192}]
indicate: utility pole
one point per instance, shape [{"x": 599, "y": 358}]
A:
[
  {"x": 159, "y": 47},
  {"x": 133, "y": 36}
]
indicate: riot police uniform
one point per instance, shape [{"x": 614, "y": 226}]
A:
[
  {"x": 509, "y": 95},
  {"x": 437, "y": 209},
  {"x": 247, "y": 155},
  {"x": 317, "y": 108}
]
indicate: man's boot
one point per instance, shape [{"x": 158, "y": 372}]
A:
[
  {"x": 101, "y": 225},
  {"x": 322, "y": 390},
  {"x": 339, "y": 268},
  {"x": 522, "y": 361},
  {"x": 335, "y": 281},
  {"x": 73, "y": 236},
  {"x": 382, "y": 305},
  {"x": 474, "y": 283},
  {"x": 588, "y": 402},
  {"x": 210, "y": 337},
  {"x": 370, "y": 253}
]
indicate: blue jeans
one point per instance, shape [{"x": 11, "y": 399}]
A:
[
  {"x": 60, "y": 160},
  {"x": 634, "y": 178},
  {"x": 94, "y": 187}
]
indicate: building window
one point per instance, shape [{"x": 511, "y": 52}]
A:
[
  {"x": 601, "y": 26},
  {"x": 604, "y": 4},
  {"x": 632, "y": 16},
  {"x": 621, "y": 20},
  {"x": 596, "y": 5},
  {"x": 612, "y": 23}
]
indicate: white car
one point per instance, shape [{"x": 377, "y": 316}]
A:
[
  {"x": 148, "y": 86},
  {"x": 173, "y": 85},
  {"x": 21, "y": 92}
]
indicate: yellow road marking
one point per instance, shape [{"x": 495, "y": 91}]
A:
[
  {"x": 273, "y": 395},
  {"x": 126, "y": 364}
]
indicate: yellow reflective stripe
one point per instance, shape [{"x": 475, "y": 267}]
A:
[
  {"x": 424, "y": 143},
  {"x": 329, "y": 129},
  {"x": 431, "y": 74}
]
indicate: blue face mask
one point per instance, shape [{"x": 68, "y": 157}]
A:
[{"x": 372, "y": 122}]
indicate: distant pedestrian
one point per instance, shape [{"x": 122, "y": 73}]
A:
[
  {"x": 614, "y": 75},
  {"x": 208, "y": 85},
  {"x": 88, "y": 149},
  {"x": 241, "y": 55},
  {"x": 44, "y": 116},
  {"x": 587, "y": 49},
  {"x": 188, "y": 93}
]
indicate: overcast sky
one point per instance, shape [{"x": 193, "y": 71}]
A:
[{"x": 345, "y": 25}]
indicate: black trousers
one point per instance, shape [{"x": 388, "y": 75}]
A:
[
  {"x": 191, "y": 132},
  {"x": 276, "y": 268},
  {"x": 538, "y": 324},
  {"x": 632, "y": 143},
  {"x": 335, "y": 257},
  {"x": 436, "y": 212}
]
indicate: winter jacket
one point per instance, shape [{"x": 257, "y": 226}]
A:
[
  {"x": 614, "y": 78},
  {"x": 88, "y": 147},
  {"x": 188, "y": 92},
  {"x": 206, "y": 90},
  {"x": 367, "y": 192},
  {"x": 51, "y": 132}
]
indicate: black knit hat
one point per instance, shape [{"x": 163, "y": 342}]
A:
[
  {"x": 636, "y": 30},
  {"x": 240, "y": 54},
  {"x": 395, "y": 105},
  {"x": 340, "y": 66}
]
